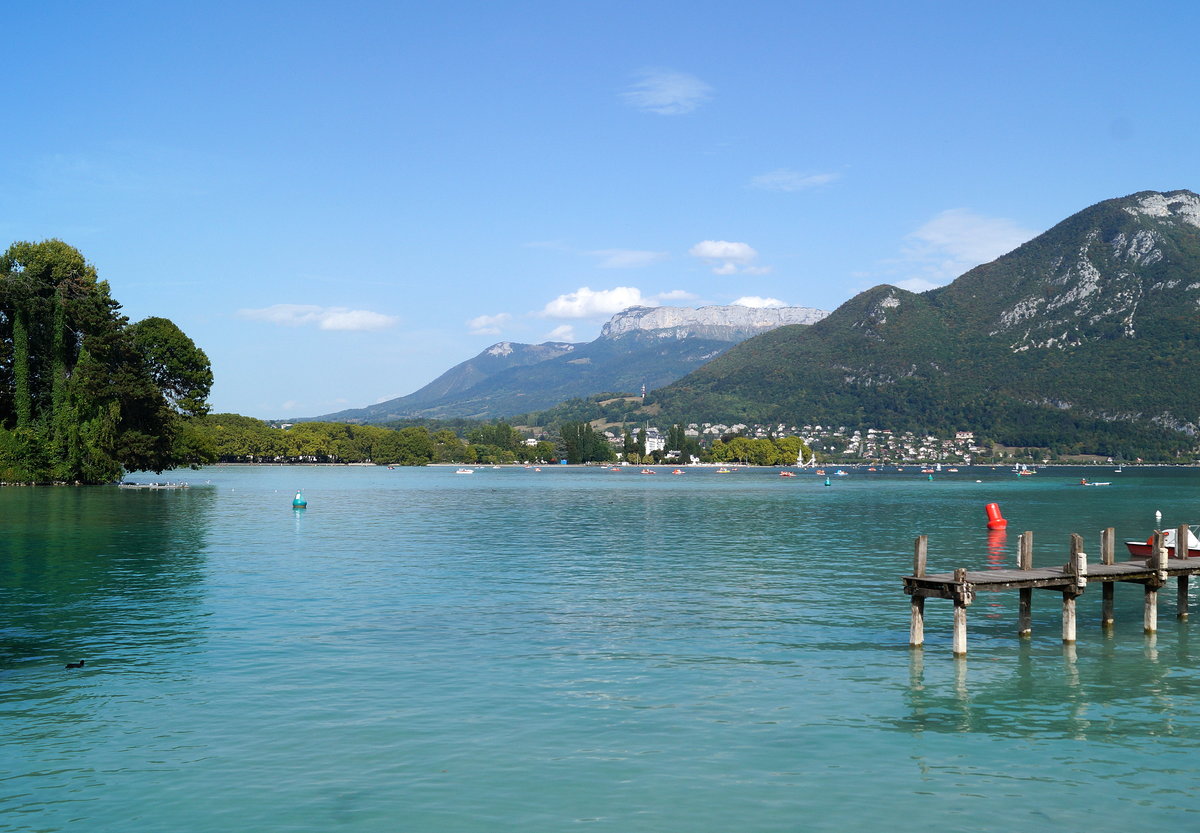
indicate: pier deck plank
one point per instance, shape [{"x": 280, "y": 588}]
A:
[{"x": 943, "y": 585}]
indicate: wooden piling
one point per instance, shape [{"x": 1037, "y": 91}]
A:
[
  {"x": 961, "y": 600},
  {"x": 1076, "y": 567},
  {"x": 1025, "y": 606},
  {"x": 1158, "y": 562},
  {"x": 1108, "y": 538},
  {"x": 916, "y": 626}
]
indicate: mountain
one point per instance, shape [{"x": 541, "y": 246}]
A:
[
  {"x": 649, "y": 346},
  {"x": 1085, "y": 336}
]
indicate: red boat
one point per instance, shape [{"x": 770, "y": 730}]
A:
[{"x": 1142, "y": 549}]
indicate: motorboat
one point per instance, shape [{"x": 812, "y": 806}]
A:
[{"x": 1143, "y": 549}]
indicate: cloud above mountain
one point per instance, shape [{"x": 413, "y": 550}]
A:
[
  {"x": 588, "y": 303},
  {"x": 954, "y": 242},
  {"x": 727, "y": 257}
]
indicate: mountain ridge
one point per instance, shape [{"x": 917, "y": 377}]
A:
[
  {"x": 1090, "y": 329},
  {"x": 638, "y": 346}
]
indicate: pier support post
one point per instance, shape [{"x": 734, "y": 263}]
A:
[
  {"x": 1077, "y": 567},
  {"x": 916, "y": 625},
  {"x": 962, "y": 598},
  {"x": 1025, "y": 606},
  {"x": 1108, "y": 539},
  {"x": 1158, "y": 559}
]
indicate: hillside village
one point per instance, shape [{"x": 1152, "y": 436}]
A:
[{"x": 828, "y": 442}]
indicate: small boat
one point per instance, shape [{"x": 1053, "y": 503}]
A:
[
  {"x": 677, "y": 471},
  {"x": 465, "y": 471},
  {"x": 1086, "y": 482},
  {"x": 821, "y": 471},
  {"x": 953, "y": 470},
  {"x": 649, "y": 471},
  {"x": 841, "y": 473},
  {"x": 926, "y": 471},
  {"x": 723, "y": 471},
  {"x": 1142, "y": 549},
  {"x": 787, "y": 474}
]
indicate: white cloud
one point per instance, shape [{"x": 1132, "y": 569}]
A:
[
  {"x": 757, "y": 302},
  {"x": 626, "y": 258},
  {"x": 917, "y": 285},
  {"x": 587, "y": 303},
  {"x": 667, "y": 92},
  {"x": 676, "y": 295},
  {"x": 487, "y": 325},
  {"x": 324, "y": 318},
  {"x": 728, "y": 258},
  {"x": 954, "y": 242},
  {"x": 788, "y": 180},
  {"x": 563, "y": 332}
]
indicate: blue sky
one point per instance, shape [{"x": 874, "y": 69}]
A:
[{"x": 338, "y": 202}]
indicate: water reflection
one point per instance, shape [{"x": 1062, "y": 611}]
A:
[
  {"x": 93, "y": 573},
  {"x": 1116, "y": 690},
  {"x": 995, "y": 548}
]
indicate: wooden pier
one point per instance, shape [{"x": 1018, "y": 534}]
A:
[{"x": 1071, "y": 580}]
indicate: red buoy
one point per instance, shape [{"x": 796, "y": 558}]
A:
[{"x": 995, "y": 519}]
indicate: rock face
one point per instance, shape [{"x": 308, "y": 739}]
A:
[{"x": 732, "y": 323}]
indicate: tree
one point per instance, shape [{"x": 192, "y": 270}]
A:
[{"x": 84, "y": 394}]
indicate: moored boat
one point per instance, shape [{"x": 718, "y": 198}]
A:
[{"x": 1143, "y": 549}]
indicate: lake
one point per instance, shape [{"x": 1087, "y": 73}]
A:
[{"x": 577, "y": 648}]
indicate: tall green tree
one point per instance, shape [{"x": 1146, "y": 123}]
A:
[{"x": 83, "y": 394}]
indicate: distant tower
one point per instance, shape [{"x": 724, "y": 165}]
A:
[{"x": 643, "y": 393}]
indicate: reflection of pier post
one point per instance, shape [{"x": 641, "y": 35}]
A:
[
  {"x": 1181, "y": 551},
  {"x": 1107, "y": 556},
  {"x": 1025, "y": 606}
]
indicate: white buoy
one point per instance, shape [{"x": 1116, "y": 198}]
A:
[{"x": 1157, "y": 517}]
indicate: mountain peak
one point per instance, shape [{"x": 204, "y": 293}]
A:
[{"x": 1182, "y": 204}]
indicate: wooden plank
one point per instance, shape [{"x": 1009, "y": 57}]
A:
[{"x": 920, "y": 552}]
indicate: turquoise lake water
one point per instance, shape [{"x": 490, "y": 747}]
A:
[{"x": 580, "y": 649}]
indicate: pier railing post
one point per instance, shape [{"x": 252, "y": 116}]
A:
[
  {"x": 916, "y": 625},
  {"x": 962, "y": 598},
  {"x": 1025, "y": 606},
  {"x": 1108, "y": 538}
]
